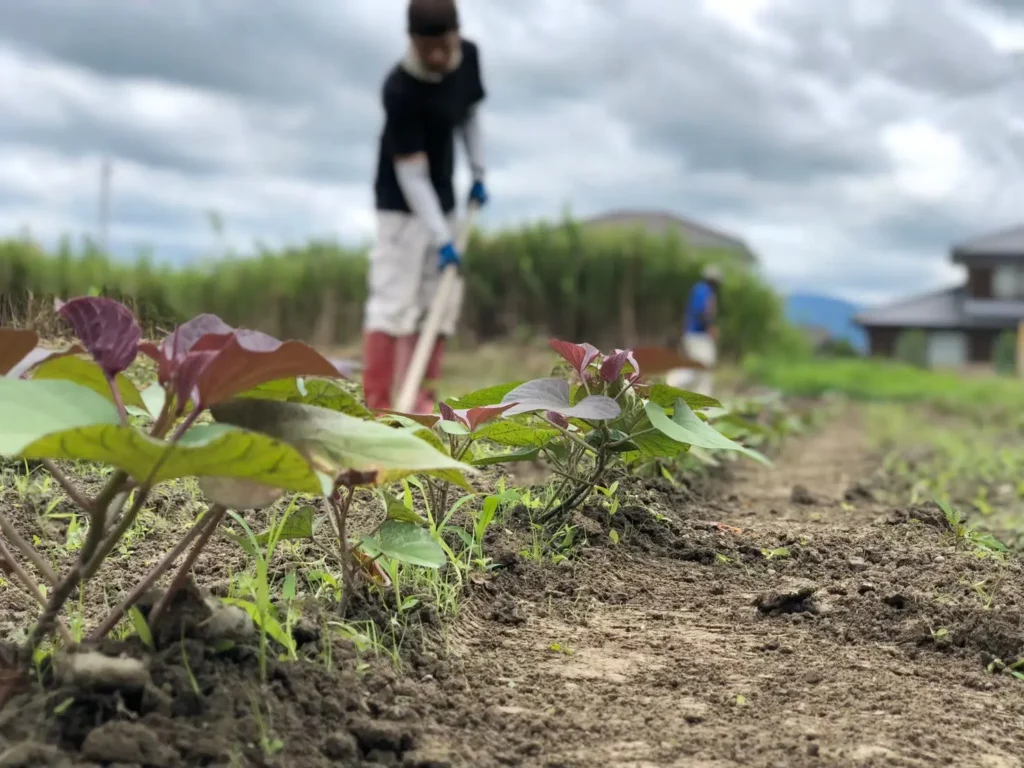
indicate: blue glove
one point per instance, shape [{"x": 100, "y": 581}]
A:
[
  {"x": 478, "y": 194},
  {"x": 448, "y": 255}
]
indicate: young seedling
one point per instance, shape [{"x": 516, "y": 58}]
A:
[
  {"x": 599, "y": 414},
  {"x": 271, "y": 434}
]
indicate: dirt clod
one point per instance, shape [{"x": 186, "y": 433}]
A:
[
  {"x": 92, "y": 669},
  {"x": 381, "y": 735},
  {"x": 341, "y": 745},
  {"x": 791, "y": 597},
  {"x": 31, "y": 754},
  {"x": 801, "y": 495},
  {"x": 132, "y": 743}
]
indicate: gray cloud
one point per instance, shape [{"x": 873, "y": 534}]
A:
[{"x": 777, "y": 134}]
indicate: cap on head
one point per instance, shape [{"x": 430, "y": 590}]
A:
[
  {"x": 432, "y": 18},
  {"x": 713, "y": 272}
]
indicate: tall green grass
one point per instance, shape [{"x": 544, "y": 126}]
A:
[{"x": 608, "y": 288}]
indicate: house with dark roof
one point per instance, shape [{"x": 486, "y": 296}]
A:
[
  {"x": 962, "y": 323},
  {"x": 662, "y": 222}
]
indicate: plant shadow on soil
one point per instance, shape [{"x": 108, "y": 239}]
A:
[{"x": 825, "y": 629}]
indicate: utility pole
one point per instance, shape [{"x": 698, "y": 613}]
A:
[{"x": 106, "y": 169}]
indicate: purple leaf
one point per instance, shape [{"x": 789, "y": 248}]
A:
[
  {"x": 553, "y": 395},
  {"x": 107, "y": 328},
  {"x": 173, "y": 350},
  {"x": 611, "y": 368},
  {"x": 475, "y": 417},
  {"x": 241, "y": 358},
  {"x": 579, "y": 356},
  {"x": 449, "y": 414},
  {"x": 557, "y": 419},
  {"x": 186, "y": 378}
]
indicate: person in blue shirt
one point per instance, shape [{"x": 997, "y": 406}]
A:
[{"x": 700, "y": 334}]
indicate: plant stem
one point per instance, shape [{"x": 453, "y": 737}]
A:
[
  {"x": 28, "y": 551},
  {"x": 568, "y": 476},
  {"x": 187, "y": 422},
  {"x": 576, "y": 439},
  {"x": 123, "y": 524},
  {"x": 634, "y": 436},
  {"x": 580, "y": 493},
  {"x": 73, "y": 492},
  {"x": 73, "y": 578},
  {"x": 149, "y": 580},
  {"x": 347, "y": 571},
  {"x": 164, "y": 419},
  {"x": 118, "y": 504},
  {"x": 212, "y": 520},
  {"x": 118, "y": 400},
  {"x": 33, "y": 589}
]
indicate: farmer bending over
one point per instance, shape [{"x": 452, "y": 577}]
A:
[
  {"x": 700, "y": 334},
  {"x": 431, "y": 95}
]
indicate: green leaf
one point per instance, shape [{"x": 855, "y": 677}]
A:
[
  {"x": 488, "y": 396},
  {"x": 685, "y": 427},
  {"x": 453, "y": 476},
  {"x": 652, "y": 444},
  {"x": 456, "y": 428},
  {"x": 213, "y": 450},
  {"x": 666, "y": 397},
  {"x": 515, "y": 434},
  {"x": 506, "y": 458},
  {"x": 30, "y": 410},
  {"x": 319, "y": 392},
  {"x": 153, "y": 397},
  {"x": 298, "y": 525},
  {"x": 88, "y": 374},
  {"x": 141, "y": 627},
  {"x": 265, "y": 620},
  {"x": 336, "y": 441},
  {"x": 396, "y": 510},
  {"x": 406, "y": 542}
]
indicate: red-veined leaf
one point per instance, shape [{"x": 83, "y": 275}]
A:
[
  {"x": 107, "y": 328},
  {"x": 579, "y": 356}
]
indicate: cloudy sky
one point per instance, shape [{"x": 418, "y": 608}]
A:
[{"x": 849, "y": 142}]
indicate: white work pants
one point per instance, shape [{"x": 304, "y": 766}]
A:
[
  {"x": 702, "y": 348},
  {"x": 404, "y": 276}
]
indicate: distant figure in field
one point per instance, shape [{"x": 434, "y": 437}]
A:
[{"x": 700, "y": 334}]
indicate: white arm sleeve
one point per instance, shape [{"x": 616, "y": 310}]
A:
[
  {"x": 472, "y": 138},
  {"x": 414, "y": 180}
]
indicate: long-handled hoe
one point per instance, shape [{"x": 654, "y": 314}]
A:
[{"x": 406, "y": 399}]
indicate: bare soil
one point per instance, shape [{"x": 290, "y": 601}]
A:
[{"x": 781, "y": 618}]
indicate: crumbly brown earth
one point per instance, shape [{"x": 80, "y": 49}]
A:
[{"x": 784, "y": 618}]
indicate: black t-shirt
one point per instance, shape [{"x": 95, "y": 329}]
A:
[{"x": 422, "y": 116}]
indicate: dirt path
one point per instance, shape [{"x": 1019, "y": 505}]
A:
[
  {"x": 664, "y": 659},
  {"x": 820, "y": 629}
]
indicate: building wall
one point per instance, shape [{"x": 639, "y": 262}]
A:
[
  {"x": 981, "y": 343},
  {"x": 882, "y": 341}
]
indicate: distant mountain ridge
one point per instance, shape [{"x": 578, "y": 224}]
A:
[{"x": 834, "y": 315}]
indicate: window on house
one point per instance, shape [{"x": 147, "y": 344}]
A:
[{"x": 1008, "y": 282}]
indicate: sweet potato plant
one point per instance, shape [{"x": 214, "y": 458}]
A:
[
  {"x": 598, "y": 414},
  {"x": 251, "y": 417}
]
